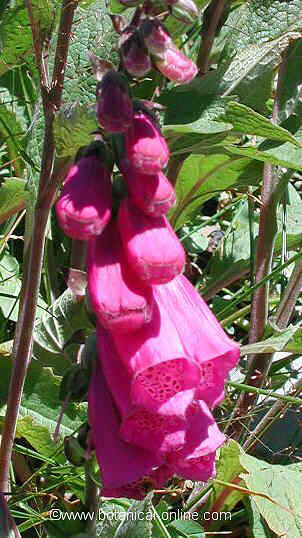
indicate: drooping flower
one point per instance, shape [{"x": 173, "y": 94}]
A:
[
  {"x": 202, "y": 336},
  {"x": 114, "y": 105},
  {"x": 152, "y": 248},
  {"x": 156, "y": 37},
  {"x": 84, "y": 207},
  {"x": 140, "y": 425},
  {"x": 120, "y": 301},
  {"x": 134, "y": 54},
  {"x": 177, "y": 67},
  {"x": 120, "y": 462},
  {"x": 153, "y": 194},
  {"x": 146, "y": 148}
]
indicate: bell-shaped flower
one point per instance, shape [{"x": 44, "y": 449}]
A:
[
  {"x": 153, "y": 194},
  {"x": 175, "y": 66},
  {"x": 202, "y": 336},
  {"x": 84, "y": 207},
  {"x": 120, "y": 462},
  {"x": 156, "y": 36},
  {"x": 152, "y": 248},
  {"x": 139, "y": 426},
  {"x": 164, "y": 377},
  {"x": 146, "y": 148},
  {"x": 134, "y": 54},
  {"x": 120, "y": 301},
  {"x": 114, "y": 105}
]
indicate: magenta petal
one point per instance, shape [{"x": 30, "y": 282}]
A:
[
  {"x": 202, "y": 437},
  {"x": 84, "y": 207},
  {"x": 164, "y": 376},
  {"x": 120, "y": 301},
  {"x": 139, "y": 426},
  {"x": 176, "y": 66},
  {"x": 202, "y": 468},
  {"x": 138, "y": 490},
  {"x": 151, "y": 246},
  {"x": 120, "y": 462},
  {"x": 202, "y": 336},
  {"x": 146, "y": 148},
  {"x": 153, "y": 194}
]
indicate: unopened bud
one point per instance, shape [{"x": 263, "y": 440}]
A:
[
  {"x": 156, "y": 37},
  {"x": 177, "y": 67},
  {"x": 135, "y": 56},
  {"x": 114, "y": 105},
  {"x": 185, "y": 11}
]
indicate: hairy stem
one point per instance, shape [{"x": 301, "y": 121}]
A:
[
  {"x": 215, "y": 11},
  {"x": 22, "y": 348},
  {"x": 91, "y": 500}
]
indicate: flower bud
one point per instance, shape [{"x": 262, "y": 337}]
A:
[
  {"x": 120, "y": 301},
  {"x": 156, "y": 37},
  {"x": 84, "y": 207},
  {"x": 146, "y": 148},
  {"x": 153, "y": 194},
  {"x": 114, "y": 105},
  {"x": 152, "y": 248},
  {"x": 135, "y": 56},
  {"x": 185, "y": 11},
  {"x": 176, "y": 66}
]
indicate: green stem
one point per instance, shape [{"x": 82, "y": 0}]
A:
[{"x": 255, "y": 390}]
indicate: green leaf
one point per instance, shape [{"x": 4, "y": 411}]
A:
[
  {"x": 258, "y": 527},
  {"x": 249, "y": 72},
  {"x": 290, "y": 100},
  {"x": 73, "y": 128},
  {"x": 138, "y": 522},
  {"x": 187, "y": 528},
  {"x": 188, "y": 109},
  {"x": 10, "y": 286},
  {"x": 16, "y": 36},
  {"x": 283, "y": 485},
  {"x": 92, "y": 32},
  {"x": 110, "y": 515},
  {"x": 264, "y": 20},
  {"x": 247, "y": 121},
  {"x": 56, "y": 326},
  {"x": 280, "y": 154},
  {"x": 12, "y": 197},
  {"x": 228, "y": 470},
  {"x": 40, "y": 406},
  {"x": 204, "y": 176},
  {"x": 280, "y": 341}
]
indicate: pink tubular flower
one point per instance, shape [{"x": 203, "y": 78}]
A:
[
  {"x": 120, "y": 301},
  {"x": 84, "y": 207},
  {"x": 135, "y": 56},
  {"x": 177, "y": 67},
  {"x": 164, "y": 378},
  {"x": 156, "y": 37},
  {"x": 153, "y": 194},
  {"x": 139, "y": 426},
  {"x": 114, "y": 105},
  {"x": 120, "y": 462},
  {"x": 202, "y": 336},
  {"x": 152, "y": 248},
  {"x": 146, "y": 148}
]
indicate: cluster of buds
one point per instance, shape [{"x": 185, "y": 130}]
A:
[
  {"x": 162, "y": 355},
  {"x": 149, "y": 44}
]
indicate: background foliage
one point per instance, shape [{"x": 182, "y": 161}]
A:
[{"x": 221, "y": 135}]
